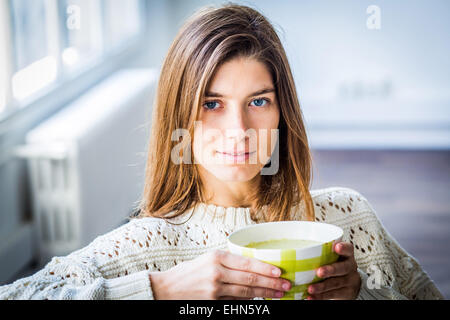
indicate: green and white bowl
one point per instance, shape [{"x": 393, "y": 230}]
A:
[{"x": 298, "y": 265}]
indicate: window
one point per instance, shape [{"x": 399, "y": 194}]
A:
[
  {"x": 5, "y": 57},
  {"x": 43, "y": 41},
  {"x": 34, "y": 40},
  {"x": 82, "y": 32},
  {"x": 122, "y": 20}
]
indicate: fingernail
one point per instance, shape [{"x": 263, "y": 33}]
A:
[
  {"x": 322, "y": 273},
  {"x": 276, "y": 272},
  {"x": 336, "y": 247},
  {"x": 285, "y": 286}
]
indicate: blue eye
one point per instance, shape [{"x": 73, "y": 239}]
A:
[
  {"x": 260, "y": 102},
  {"x": 210, "y": 105},
  {"x": 214, "y": 105}
]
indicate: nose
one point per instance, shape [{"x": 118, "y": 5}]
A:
[{"x": 236, "y": 124}]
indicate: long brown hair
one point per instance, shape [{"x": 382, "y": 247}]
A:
[{"x": 208, "y": 38}]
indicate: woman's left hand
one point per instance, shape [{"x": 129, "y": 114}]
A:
[{"x": 342, "y": 280}]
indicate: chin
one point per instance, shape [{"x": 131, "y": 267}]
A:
[{"x": 234, "y": 173}]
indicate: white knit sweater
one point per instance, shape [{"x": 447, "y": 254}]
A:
[{"x": 117, "y": 265}]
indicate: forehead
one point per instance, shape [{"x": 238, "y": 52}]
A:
[{"x": 240, "y": 76}]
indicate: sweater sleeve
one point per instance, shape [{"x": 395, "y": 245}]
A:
[
  {"x": 370, "y": 291},
  {"x": 113, "y": 266},
  {"x": 412, "y": 281},
  {"x": 401, "y": 277},
  {"x": 65, "y": 278}
]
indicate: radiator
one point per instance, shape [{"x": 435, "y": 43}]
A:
[{"x": 86, "y": 163}]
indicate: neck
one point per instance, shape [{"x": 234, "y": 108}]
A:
[{"x": 230, "y": 194}]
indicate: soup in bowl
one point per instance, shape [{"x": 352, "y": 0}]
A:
[{"x": 298, "y": 248}]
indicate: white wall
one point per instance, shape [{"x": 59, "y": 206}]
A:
[{"x": 362, "y": 88}]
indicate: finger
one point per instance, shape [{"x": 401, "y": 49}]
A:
[
  {"x": 235, "y": 290},
  {"x": 344, "y": 249},
  {"x": 345, "y": 293},
  {"x": 237, "y": 262},
  {"x": 254, "y": 280},
  {"x": 336, "y": 269},
  {"x": 329, "y": 284}
]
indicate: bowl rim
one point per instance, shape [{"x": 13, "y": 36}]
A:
[{"x": 243, "y": 229}]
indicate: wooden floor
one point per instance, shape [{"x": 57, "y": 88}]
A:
[{"x": 409, "y": 190}]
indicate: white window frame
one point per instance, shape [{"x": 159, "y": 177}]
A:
[
  {"x": 18, "y": 117},
  {"x": 12, "y": 105},
  {"x": 6, "y": 57}
]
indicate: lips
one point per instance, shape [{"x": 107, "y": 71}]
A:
[
  {"x": 236, "y": 153},
  {"x": 235, "y": 157}
]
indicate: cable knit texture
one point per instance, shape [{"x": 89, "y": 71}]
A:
[{"x": 117, "y": 265}]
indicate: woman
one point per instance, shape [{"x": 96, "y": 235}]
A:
[{"x": 226, "y": 83}]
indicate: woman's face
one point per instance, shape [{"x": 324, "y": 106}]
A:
[{"x": 239, "y": 114}]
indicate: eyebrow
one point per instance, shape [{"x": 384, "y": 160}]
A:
[{"x": 262, "y": 91}]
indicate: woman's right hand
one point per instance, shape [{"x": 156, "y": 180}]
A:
[{"x": 219, "y": 275}]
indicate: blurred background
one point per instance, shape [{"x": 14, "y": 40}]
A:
[{"x": 77, "y": 81}]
